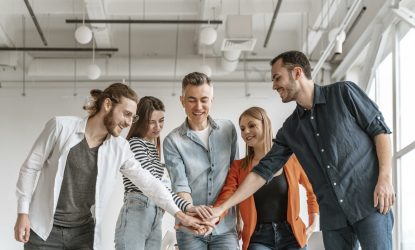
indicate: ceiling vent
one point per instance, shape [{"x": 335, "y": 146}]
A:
[
  {"x": 238, "y": 44},
  {"x": 238, "y": 34}
]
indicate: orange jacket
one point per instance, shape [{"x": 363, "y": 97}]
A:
[{"x": 294, "y": 174}]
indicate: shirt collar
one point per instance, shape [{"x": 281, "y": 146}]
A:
[
  {"x": 319, "y": 98},
  {"x": 184, "y": 128},
  {"x": 81, "y": 127}
]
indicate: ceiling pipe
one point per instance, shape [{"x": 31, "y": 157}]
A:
[
  {"x": 58, "y": 49},
  {"x": 274, "y": 17},
  {"x": 359, "y": 16},
  {"x": 39, "y": 30},
  {"x": 330, "y": 46},
  {"x": 141, "y": 21}
]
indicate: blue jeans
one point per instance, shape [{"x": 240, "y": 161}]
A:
[
  {"x": 81, "y": 238},
  {"x": 224, "y": 241},
  {"x": 274, "y": 236},
  {"x": 373, "y": 232},
  {"x": 139, "y": 224}
]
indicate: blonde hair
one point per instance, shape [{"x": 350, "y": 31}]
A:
[{"x": 261, "y": 115}]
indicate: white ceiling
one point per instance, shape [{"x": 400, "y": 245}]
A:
[{"x": 300, "y": 25}]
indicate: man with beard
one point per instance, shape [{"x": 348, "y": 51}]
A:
[
  {"x": 342, "y": 142},
  {"x": 77, "y": 162}
]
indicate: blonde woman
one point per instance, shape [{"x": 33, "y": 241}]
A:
[{"x": 270, "y": 216}]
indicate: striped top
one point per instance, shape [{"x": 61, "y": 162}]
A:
[{"x": 146, "y": 153}]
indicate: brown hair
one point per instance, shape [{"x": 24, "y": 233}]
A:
[
  {"x": 195, "y": 79},
  {"x": 145, "y": 108},
  {"x": 259, "y": 114},
  {"x": 115, "y": 92},
  {"x": 293, "y": 58}
]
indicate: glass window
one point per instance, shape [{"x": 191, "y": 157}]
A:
[
  {"x": 407, "y": 89},
  {"x": 384, "y": 88},
  {"x": 407, "y": 201}
]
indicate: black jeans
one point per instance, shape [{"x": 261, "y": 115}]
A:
[
  {"x": 81, "y": 237},
  {"x": 274, "y": 236}
]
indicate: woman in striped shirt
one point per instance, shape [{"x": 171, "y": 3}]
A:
[{"x": 139, "y": 222}]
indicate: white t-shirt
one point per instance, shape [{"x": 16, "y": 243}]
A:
[{"x": 204, "y": 135}]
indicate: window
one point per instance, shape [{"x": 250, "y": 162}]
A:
[
  {"x": 407, "y": 201},
  {"x": 407, "y": 89},
  {"x": 384, "y": 87}
]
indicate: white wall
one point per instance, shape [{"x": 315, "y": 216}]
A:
[{"x": 22, "y": 118}]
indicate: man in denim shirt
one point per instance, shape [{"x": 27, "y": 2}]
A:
[
  {"x": 198, "y": 155},
  {"x": 342, "y": 142}
]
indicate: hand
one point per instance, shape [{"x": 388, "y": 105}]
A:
[
  {"x": 203, "y": 212},
  {"x": 22, "y": 228},
  {"x": 217, "y": 212},
  {"x": 195, "y": 225},
  {"x": 384, "y": 195},
  {"x": 213, "y": 221}
]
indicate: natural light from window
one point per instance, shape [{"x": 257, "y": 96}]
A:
[{"x": 407, "y": 136}]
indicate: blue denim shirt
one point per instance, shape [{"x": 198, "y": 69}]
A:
[
  {"x": 202, "y": 171},
  {"x": 334, "y": 143}
]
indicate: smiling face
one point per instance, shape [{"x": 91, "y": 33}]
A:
[
  {"x": 252, "y": 131},
  {"x": 284, "y": 82},
  {"x": 196, "y": 101},
  {"x": 120, "y": 116},
  {"x": 155, "y": 125}
]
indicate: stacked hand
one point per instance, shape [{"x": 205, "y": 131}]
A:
[{"x": 207, "y": 217}]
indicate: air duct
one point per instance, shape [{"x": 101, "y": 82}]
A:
[{"x": 239, "y": 37}]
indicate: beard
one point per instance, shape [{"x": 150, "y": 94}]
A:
[
  {"x": 290, "y": 91},
  {"x": 110, "y": 123}
]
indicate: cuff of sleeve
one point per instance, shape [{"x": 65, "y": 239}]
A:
[
  {"x": 23, "y": 207},
  {"x": 185, "y": 206},
  {"x": 264, "y": 173},
  {"x": 378, "y": 126},
  {"x": 181, "y": 189},
  {"x": 172, "y": 209}
]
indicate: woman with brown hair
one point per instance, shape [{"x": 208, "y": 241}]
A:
[{"x": 140, "y": 219}]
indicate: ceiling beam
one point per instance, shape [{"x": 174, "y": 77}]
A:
[
  {"x": 271, "y": 26},
  {"x": 359, "y": 45},
  {"x": 320, "y": 25},
  {"x": 57, "y": 49},
  {"x": 406, "y": 15},
  {"x": 346, "y": 21},
  {"x": 146, "y": 21},
  {"x": 372, "y": 60},
  {"x": 38, "y": 28}
]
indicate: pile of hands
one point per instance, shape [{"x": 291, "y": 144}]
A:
[{"x": 199, "y": 220}]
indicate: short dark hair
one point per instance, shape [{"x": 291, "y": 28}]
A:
[
  {"x": 195, "y": 79},
  {"x": 115, "y": 92},
  {"x": 293, "y": 58}
]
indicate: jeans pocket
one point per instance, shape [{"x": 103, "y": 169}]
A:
[{"x": 136, "y": 204}]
